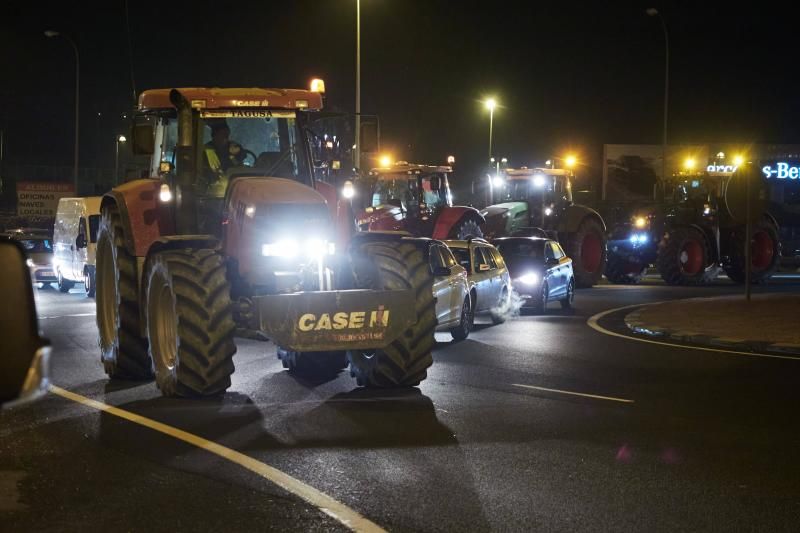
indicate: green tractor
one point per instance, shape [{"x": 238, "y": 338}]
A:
[{"x": 538, "y": 201}]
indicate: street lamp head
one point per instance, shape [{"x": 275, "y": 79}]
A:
[
  {"x": 651, "y": 11},
  {"x": 51, "y": 33},
  {"x": 490, "y": 104},
  {"x": 121, "y": 139}
]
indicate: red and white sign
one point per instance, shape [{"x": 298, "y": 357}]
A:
[{"x": 40, "y": 198}]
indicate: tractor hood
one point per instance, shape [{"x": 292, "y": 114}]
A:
[
  {"x": 499, "y": 216},
  {"x": 371, "y": 215},
  {"x": 263, "y": 190}
]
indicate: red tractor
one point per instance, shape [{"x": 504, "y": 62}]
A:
[
  {"x": 235, "y": 232},
  {"x": 416, "y": 199}
]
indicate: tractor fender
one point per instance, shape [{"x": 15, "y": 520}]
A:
[
  {"x": 574, "y": 215},
  {"x": 451, "y": 216},
  {"x": 144, "y": 218}
]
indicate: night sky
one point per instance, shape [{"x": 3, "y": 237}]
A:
[{"x": 567, "y": 75}]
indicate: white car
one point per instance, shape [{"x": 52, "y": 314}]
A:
[
  {"x": 489, "y": 281},
  {"x": 451, "y": 291}
]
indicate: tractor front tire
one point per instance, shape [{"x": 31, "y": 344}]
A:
[
  {"x": 190, "y": 324},
  {"x": 391, "y": 266},
  {"x": 622, "y": 270},
  {"x": 684, "y": 258},
  {"x": 587, "y": 249},
  {"x": 313, "y": 364},
  {"x": 764, "y": 253},
  {"x": 123, "y": 351}
]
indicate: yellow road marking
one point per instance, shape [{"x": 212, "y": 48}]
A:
[
  {"x": 592, "y": 322},
  {"x": 325, "y": 503},
  {"x": 595, "y": 396}
]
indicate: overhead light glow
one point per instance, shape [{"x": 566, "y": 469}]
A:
[
  {"x": 529, "y": 279},
  {"x": 385, "y": 160},
  {"x": 640, "y": 222},
  {"x": 497, "y": 181},
  {"x": 490, "y": 104}
]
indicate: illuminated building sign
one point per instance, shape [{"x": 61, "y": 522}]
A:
[
  {"x": 781, "y": 171},
  {"x": 721, "y": 168}
]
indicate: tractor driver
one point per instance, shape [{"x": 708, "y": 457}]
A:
[{"x": 221, "y": 154}]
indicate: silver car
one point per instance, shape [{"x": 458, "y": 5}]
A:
[
  {"x": 451, "y": 290},
  {"x": 489, "y": 282}
]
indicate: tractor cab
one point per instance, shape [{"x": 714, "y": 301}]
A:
[
  {"x": 406, "y": 197},
  {"x": 530, "y": 197}
]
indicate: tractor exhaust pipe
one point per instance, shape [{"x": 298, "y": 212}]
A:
[{"x": 185, "y": 199}]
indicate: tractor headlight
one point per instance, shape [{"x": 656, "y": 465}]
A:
[
  {"x": 165, "y": 195},
  {"x": 529, "y": 279},
  {"x": 348, "y": 191},
  {"x": 289, "y": 248},
  {"x": 30, "y": 263},
  {"x": 639, "y": 238}
]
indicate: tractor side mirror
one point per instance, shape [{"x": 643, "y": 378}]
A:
[
  {"x": 24, "y": 358},
  {"x": 80, "y": 241},
  {"x": 143, "y": 140}
]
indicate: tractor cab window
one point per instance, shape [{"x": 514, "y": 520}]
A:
[
  {"x": 432, "y": 195},
  {"x": 37, "y": 245},
  {"x": 398, "y": 191}
]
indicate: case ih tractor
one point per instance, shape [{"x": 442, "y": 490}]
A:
[
  {"x": 235, "y": 232},
  {"x": 698, "y": 228},
  {"x": 538, "y": 201},
  {"x": 416, "y": 199}
]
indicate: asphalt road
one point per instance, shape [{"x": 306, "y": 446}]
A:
[{"x": 541, "y": 423}]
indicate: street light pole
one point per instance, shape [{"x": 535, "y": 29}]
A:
[
  {"x": 51, "y": 33},
  {"x": 490, "y": 104},
  {"x": 120, "y": 139},
  {"x": 653, "y": 12},
  {"x": 357, "y": 155}
]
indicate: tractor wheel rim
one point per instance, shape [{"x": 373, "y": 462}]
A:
[
  {"x": 107, "y": 297},
  {"x": 591, "y": 253},
  {"x": 691, "y": 257},
  {"x": 761, "y": 251},
  {"x": 164, "y": 333}
]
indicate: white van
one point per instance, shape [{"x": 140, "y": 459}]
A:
[{"x": 74, "y": 238}]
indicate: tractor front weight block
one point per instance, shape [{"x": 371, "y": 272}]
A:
[{"x": 335, "y": 320}]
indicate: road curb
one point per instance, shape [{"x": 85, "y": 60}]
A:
[{"x": 635, "y": 323}]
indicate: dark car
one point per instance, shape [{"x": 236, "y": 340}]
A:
[{"x": 540, "y": 271}]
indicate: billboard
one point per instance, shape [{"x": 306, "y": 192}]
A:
[{"x": 40, "y": 198}]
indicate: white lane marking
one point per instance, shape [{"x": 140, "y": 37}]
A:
[
  {"x": 65, "y": 316},
  {"x": 328, "y": 505},
  {"x": 595, "y": 396},
  {"x": 592, "y": 323}
]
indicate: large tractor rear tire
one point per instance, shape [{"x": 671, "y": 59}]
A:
[
  {"x": 764, "y": 253},
  {"x": 587, "y": 248},
  {"x": 404, "y": 362},
  {"x": 122, "y": 349},
  {"x": 467, "y": 229},
  {"x": 684, "y": 258},
  {"x": 313, "y": 364},
  {"x": 190, "y": 322},
  {"x": 624, "y": 270}
]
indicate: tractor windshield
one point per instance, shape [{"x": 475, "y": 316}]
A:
[
  {"x": 244, "y": 142},
  {"x": 410, "y": 191}
]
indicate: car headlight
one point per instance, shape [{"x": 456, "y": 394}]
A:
[
  {"x": 529, "y": 279},
  {"x": 288, "y": 248},
  {"x": 30, "y": 263}
]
